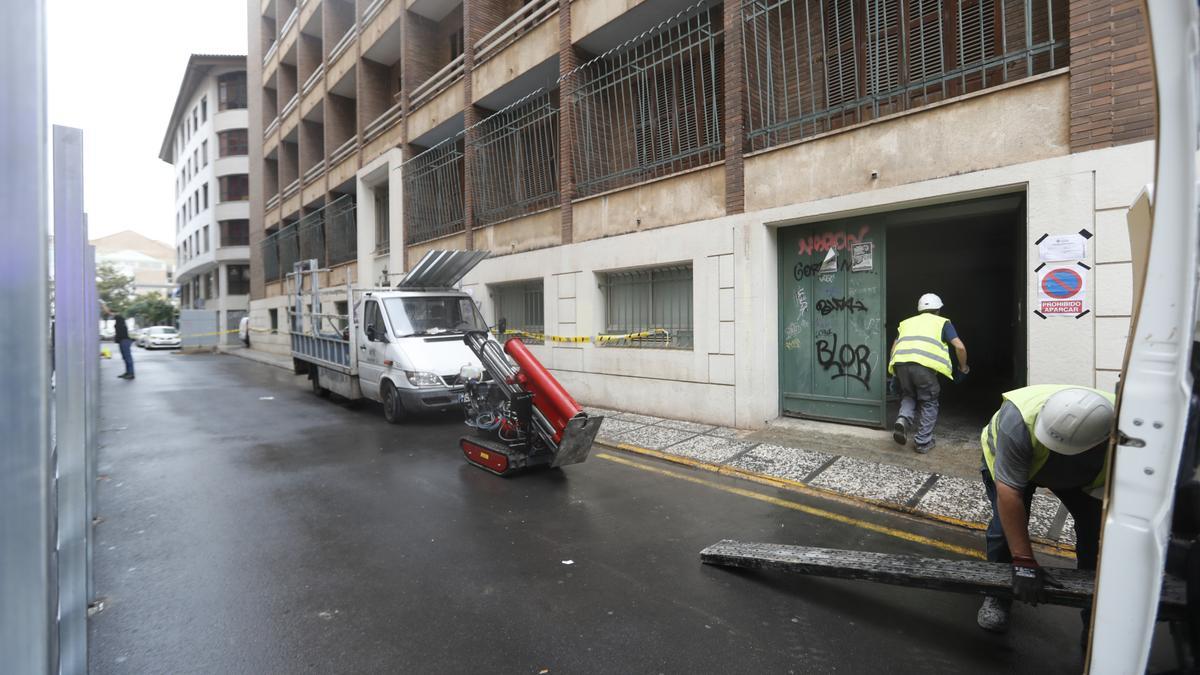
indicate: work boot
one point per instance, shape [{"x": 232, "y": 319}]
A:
[
  {"x": 993, "y": 615},
  {"x": 922, "y": 449},
  {"x": 125, "y": 376},
  {"x": 900, "y": 430}
]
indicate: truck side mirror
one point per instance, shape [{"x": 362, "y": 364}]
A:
[
  {"x": 371, "y": 332},
  {"x": 501, "y": 327}
]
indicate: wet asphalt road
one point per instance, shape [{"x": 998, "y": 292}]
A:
[{"x": 245, "y": 534}]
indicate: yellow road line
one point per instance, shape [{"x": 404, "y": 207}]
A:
[{"x": 796, "y": 506}]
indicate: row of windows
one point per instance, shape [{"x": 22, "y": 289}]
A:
[
  {"x": 231, "y": 93},
  {"x": 235, "y": 188},
  {"x": 208, "y": 286},
  {"x": 232, "y": 233},
  {"x": 232, "y": 143},
  {"x": 635, "y": 301}
]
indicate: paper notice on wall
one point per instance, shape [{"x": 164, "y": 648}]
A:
[
  {"x": 1062, "y": 291},
  {"x": 1062, "y": 247},
  {"x": 862, "y": 257},
  {"x": 829, "y": 264}
]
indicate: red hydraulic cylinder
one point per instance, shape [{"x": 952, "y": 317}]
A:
[{"x": 548, "y": 395}]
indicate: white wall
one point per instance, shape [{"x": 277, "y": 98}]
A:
[
  {"x": 731, "y": 374},
  {"x": 383, "y": 173}
]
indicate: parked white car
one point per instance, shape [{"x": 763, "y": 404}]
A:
[{"x": 159, "y": 337}]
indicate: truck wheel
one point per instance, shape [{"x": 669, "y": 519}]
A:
[
  {"x": 393, "y": 409},
  {"x": 315, "y": 379}
]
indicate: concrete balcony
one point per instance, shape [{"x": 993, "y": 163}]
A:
[
  {"x": 524, "y": 46},
  {"x": 384, "y": 20}
]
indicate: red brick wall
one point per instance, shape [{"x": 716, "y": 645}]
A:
[
  {"x": 734, "y": 85},
  {"x": 1112, "y": 84}
]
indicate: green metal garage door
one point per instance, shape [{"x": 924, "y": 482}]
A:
[{"x": 832, "y": 356}]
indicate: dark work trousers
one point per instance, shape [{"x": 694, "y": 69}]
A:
[
  {"x": 1086, "y": 511},
  {"x": 919, "y": 391},
  {"x": 127, "y": 355}
]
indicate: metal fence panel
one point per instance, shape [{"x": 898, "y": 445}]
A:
[
  {"x": 289, "y": 247},
  {"x": 641, "y": 300},
  {"x": 813, "y": 66},
  {"x": 25, "y": 471},
  {"x": 341, "y": 230},
  {"x": 653, "y": 107},
  {"x": 433, "y": 192},
  {"x": 516, "y": 160},
  {"x": 270, "y": 256},
  {"x": 311, "y": 231}
]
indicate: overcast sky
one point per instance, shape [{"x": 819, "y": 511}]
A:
[{"x": 114, "y": 70}]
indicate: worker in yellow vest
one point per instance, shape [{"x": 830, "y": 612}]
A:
[
  {"x": 920, "y": 353},
  {"x": 1052, "y": 436}
]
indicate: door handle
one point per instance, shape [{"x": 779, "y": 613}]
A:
[{"x": 363, "y": 347}]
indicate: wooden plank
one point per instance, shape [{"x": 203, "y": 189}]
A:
[{"x": 939, "y": 574}]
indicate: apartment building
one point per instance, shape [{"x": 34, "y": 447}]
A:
[
  {"x": 206, "y": 143},
  {"x": 766, "y": 185},
  {"x": 151, "y": 263}
]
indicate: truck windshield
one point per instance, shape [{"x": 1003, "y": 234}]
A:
[{"x": 432, "y": 315}]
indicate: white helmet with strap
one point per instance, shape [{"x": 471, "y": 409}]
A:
[
  {"x": 1074, "y": 420},
  {"x": 929, "y": 301}
]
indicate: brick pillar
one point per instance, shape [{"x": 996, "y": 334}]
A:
[
  {"x": 735, "y": 189},
  {"x": 1112, "y": 83},
  {"x": 470, "y": 119},
  {"x": 568, "y": 60}
]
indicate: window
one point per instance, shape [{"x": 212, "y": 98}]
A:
[
  {"x": 237, "y": 278},
  {"x": 373, "y": 319},
  {"x": 434, "y": 315},
  {"x": 196, "y": 160},
  {"x": 383, "y": 228},
  {"x": 204, "y": 153},
  {"x": 206, "y": 239},
  {"x": 274, "y": 319},
  {"x": 232, "y": 142},
  {"x": 208, "y": 287},
  {"x": 519, "y": 306},
  {"x": 216, "y": 282},
  {"x": 195, "y": 119},
  {"x": 642, "y": 300},
  {"x": 206, "y": 196},
  {"x": 196, "y": 200},
  {"x": 203, "y": 109},
  {"x": 456, "y": 44},
  {"x": 235, "y": 232},
  {"x": 232, "y": 90},
  {"x": 235, "y": 188}
]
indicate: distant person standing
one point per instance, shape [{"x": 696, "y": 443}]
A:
[
  {"x": 920, "y": 353},
  {"x": 121, "y": 336},
  {"x": 244, "y": 331}
]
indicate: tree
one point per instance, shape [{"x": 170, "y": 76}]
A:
[
  {"x": 152, "y": 309},
  {"x": 114, "y": 287}
]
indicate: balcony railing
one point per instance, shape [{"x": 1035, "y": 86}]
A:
[
  {"x": 291, "y": 188},
  {"x": 273, "y": 201},
  {"x": 382, "y": 123},
  {"x": 371, "y": 10},
  {"x": 314, "y": 172},
  {"x": 313, "y": 79},
  {"x": 290, "y": 105},
  {"x": 341, "y": 45},
  {"x": 270, "y": 52},
  {"x": 291, "y": 21},
  {"x": 272, "y": 127},
  {"x": 449, "y": 74},
  {"x": 343, "y": 151},
  {"x": 515, "y": 169},
  {"x": 433, "y": 192},
  {"x": 311, "y": 229},
  {"x": 520, "y": 22}
]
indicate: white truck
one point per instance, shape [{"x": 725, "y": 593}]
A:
[{"x": 402, "y": 346}]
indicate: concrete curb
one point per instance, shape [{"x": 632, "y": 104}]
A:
[{"x": 934, "y": 497}]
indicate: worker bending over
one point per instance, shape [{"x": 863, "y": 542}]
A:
[
  {"x": 1053, "y": 436},
  {"x": 920, "y": 353}
]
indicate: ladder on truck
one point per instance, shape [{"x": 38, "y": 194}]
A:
[{"x": 319, "y": 337}]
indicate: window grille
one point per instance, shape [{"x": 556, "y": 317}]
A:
[
  {"x": 383, "y": 229},
  {"x": 813, "y": 66},
  {"x": 433, "y": 192},
  {"x": 341, "y": 230},
  {"x": 311, "y": 231},
  {"x": 516, "y": 160},
  {"x": 637, "y": 301},
  {"x": 521, "y": 305},
  {"x": 289, "y": 249},
  {"x": 652, "y": 107}
]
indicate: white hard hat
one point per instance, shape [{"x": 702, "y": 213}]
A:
[
  {"x": 1074, "y": 420},
  {"x": 929, "y": 301}
]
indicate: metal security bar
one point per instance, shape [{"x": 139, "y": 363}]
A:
[
  {"x": 311, "y": 231},
  {"x": 640, "y": 301},
  {"x": 289, "y": 246},
  {"x": 433, "y": 192},
  {"x": 651, "y": 107},
  {"x": 813, "y": 66},
  {"x": 521, "y": 305},
  {"x": 341, "y": 230},
  {"x": 270, "y": 256},
  {"x": 516, "y": 160}
]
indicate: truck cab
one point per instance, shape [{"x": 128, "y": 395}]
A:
[{"x": 411, "y": 348}]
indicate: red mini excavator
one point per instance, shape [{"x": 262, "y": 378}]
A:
[{"x": 522, "y": 416}]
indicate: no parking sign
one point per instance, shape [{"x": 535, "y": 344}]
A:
[{"x": 1062, "y": 290}]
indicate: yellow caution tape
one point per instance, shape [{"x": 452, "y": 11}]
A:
[
  {"x": 654, "y": 332},
  {"x": 635, "y": 336}
]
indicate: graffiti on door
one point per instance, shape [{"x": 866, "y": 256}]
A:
[{"x": 845, "y": 360}]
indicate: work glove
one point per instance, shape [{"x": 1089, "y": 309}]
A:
[{"x": 1029, "y": 580}]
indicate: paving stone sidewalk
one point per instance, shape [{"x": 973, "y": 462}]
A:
[{"x": 942, "y": 497}]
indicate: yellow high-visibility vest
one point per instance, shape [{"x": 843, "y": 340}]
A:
[
  {"x": 920, "y": 341},
  {"x": 1029, "y": 401}
]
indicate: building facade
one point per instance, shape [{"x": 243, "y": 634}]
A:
[
  {"x": 765, "y": 187},
  {"x": 207, "y": 144},
  {"x": 151, "y": 263}
]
